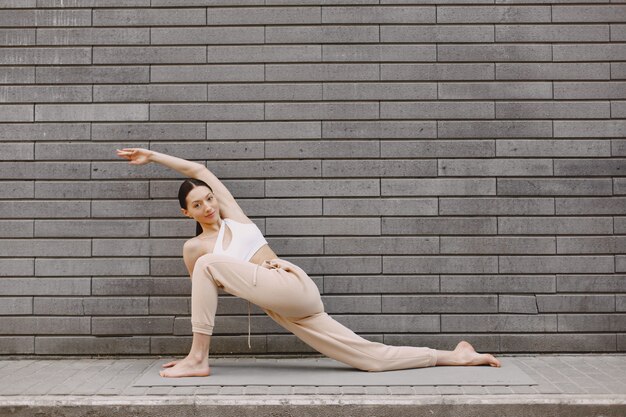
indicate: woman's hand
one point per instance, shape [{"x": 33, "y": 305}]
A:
[
  {"x": 137, "y": 156},
  {"x": 274, "y": 264}
]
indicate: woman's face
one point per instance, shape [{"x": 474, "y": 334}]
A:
[{"x": 202, "y": 205}]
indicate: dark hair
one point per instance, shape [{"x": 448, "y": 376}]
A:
[{"x": 188, "y": 185}]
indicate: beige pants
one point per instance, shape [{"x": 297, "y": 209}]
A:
[{"x": 289, "y": 296}]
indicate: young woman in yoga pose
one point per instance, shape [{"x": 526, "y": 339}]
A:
[{"x": 229, "y": 252}]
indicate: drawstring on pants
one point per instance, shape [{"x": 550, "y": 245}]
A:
[{"x": 253, "y": 283}]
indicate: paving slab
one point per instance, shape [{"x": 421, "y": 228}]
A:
[{"x": 568, "y": 385}]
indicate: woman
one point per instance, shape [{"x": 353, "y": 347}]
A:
[{"x": 229, "y": 252}]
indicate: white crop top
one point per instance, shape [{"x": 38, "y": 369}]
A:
[{"x": 246, "y": 239}]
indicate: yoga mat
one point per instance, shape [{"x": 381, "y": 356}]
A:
[{"x": 326, "y": 371}]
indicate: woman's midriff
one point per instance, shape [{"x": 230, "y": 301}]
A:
[{"x": 264, "y": 253}]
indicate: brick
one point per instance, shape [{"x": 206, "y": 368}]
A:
[
  {"x": 58, "y": 306},
  {"x": 149, "y": 17},
  {"x": 352, "y": 304},
  {"x": 19, "y": 305},
  {"x": 589, "y": 167},
  {"x": 21, "y": 345},
  {"x": 438, "y": 225},
  {"x": 131, "y": 325},
  {"x": 591, "y": 283},
  {"x": 600, "y": 244},
  {"x": 93, "y": 36},
  {"x": 10, "y": 37},
  {"x": 439, "y": 264},
  {"x": 45, "y": 247},
  {"x": 498, "y": 90},
  {"x": 378, "y": 168},
  {"x": 32, "y": 209},
  {"x": 322, "y": 72},
  {"x": 559, "y": 303},
  {"x": 555, "y": 225},
  {"x": 587, "y": 90},
  {"x": 145, "y": 131},
  {"x": 493, "y": 14},
  {"x": 437, "y": 149},
  {"x": 551, "y": 70},
  {"x": 16, "y": 113},
  {"x": 363, "y": 284},
  {"x": 91, "y": 266},
  {"x": 326, "y": 110},
  {"x": 13, "y": 152},
  {"x": 90, "y": 189},
  {"x": 556, "y": 264},
  {"x": 206, "y": 111},
  {"x": 509, "y": 323},
  {"x": 17, "y": 75},
  {"x": 496, "y": 205},
  {"x": 496, "y": 245},
  {"x": 550, "y": 187},
  {"x": 137, "y": 247},
  {"x": 438, "y": 71},
  {"x": 438, "y": 186},
  {"x": 322, "y": 34},
  {"x": 141, "y": 286},
  {"x": 82, "y": 345},
  {"x": 592, "y": 322},
  {"x": 591, "y": 205},
  {"x": 412, "y": 304},
  {"x": 321, "y": 188},
  {"x": 17, "y": 228},
  {"x": 148, "y": 54},
  {"x": 591, "y": 342},
  {"x": 264, "y": 130},
  {"x": 92, "y": 74},
  {"x": 497, "y": 128},
  {"x": 619, "y": 186},
  {"x": 90, "y": 112},
  {"x": 587, "y": 13},
  {"x": 552, "y": 33},
  {"x": 45, "y": 325},
  {"x": 517, "y": 304},
  {"x": 45, "y": 17},
  {"x": 553, "y": 110},
  {"x": 618, "y": 147},
  {"x": 389, "y": 52},
  {"x": 493, "y": 52},
  {"x": 378, "y": 14},
  {"x": 547, "y": 148},
  {"x": 94, "y": 3},
  {"x": 498, "y": 283},
  {"x": 217, "y": 150},
  {"x": 170, "y": 305},
  {"x": 265, "y": 92},
  {"x": 148, "y": 93},
  {"x": 92, "y": 227},
  {"x": 15, "y": 189},
  {"x": 321, "y": 149},
  {"x": 44, "y": 131},
  {"x": 495, "y": 167},
  {"x": 381, "y": 245},
  {"x": 47, "y": 94},
  {"x": 208, "y": 35},
  {"x": 406, "y": 91},
  {"x": 433, "y": 110},
  {"x": 377, "y": 207},
  {"x": 74, "y": 286},
  {"x": 212, "y": 73},
  {"x": 263, "y": 53},
  {"x": 45, "y": 56},
  {"x": 589, "y": 128},
  {"x": 115, "y": 306},
  {"x": 379, "y": 129},
  {"x": 434, "y": 33}
]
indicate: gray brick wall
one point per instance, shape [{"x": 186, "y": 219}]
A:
[{"x": 443, "y": 172}]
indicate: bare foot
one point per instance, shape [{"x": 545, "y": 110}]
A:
[
  {"x": 469, "y": 357},
  {"x": 186, "y": 367}
]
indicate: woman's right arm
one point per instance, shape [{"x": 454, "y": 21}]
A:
[{"x": 141, "y": 156}]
